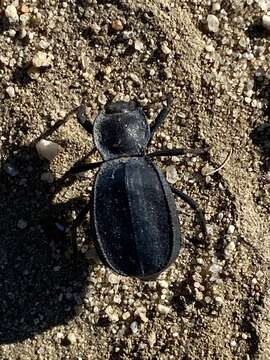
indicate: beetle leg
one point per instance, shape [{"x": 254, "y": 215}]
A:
[
  {"x": 72, "y": 229},
  {"x": 77, "y": 168},
  {"x": 54, "y": 127},
  {"x": 178, "y": 151},
  {"x": 81, "y": 117},
  {"x": 194, "y": 206},
  {"x": 81, "y": 167},
  {"x": 161, "y": 117},
  {"x": 83, "y": 120}
]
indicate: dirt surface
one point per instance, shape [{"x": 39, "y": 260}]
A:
[{"x": 214, "y": 302}]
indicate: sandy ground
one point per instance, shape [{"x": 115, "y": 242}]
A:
[{"x": 214, "y": 302}]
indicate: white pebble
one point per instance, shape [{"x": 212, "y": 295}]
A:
[
  {"x": 71, "y": 338},
  {"x": 138, "y": 45},
  {"x": 41, "y": 59},
  {"x": 165, "y": 49},
  {"x": 113, "y": 278},
  {"x": 134, "y": 327},
  {"x": 266, "y": 22},
  {"x": 164, "y": 284},
  {"x": 152, "y": 339},
  {"x": 47, "y": 149},
  {"x": 215, "y": 268},
  {"x": 231, "y": 229},
  {"x": 112, "y": 314},
  {"x": 219, "y": 299},
  {"x": 171, "y": 174},
  {"x": 11, "y": 13},
  {"x": 43, "y": 44},
  {"x": 12, "y": 33},
  {"x": 213, "y": 23},
  {"x": 162, "y": 309},
  {"x": 10, "y": 91}
]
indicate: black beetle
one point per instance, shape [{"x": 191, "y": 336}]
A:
[{"x": 134, "y": 220}]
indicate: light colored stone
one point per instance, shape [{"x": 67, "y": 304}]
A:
[
  {"x": 47, "y": 149},
  {"x": 10, "y": 91},
  {"x": 213, "y": 23},
  {"x": 41, "y": 59},
  {"x": 11, "y": 13}
]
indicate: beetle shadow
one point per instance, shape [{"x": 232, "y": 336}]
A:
[
  {"x": 40, "y": 286},
  {"x": 260, "y": 135}
]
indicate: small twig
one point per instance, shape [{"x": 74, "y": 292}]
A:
[{"x": 222, "y": 165}]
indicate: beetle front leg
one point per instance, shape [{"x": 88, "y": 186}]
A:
[
  {"x": 161, "y": 117},
  {"x": 55, "y": 127},
  {"x": 83, "y": 119},
  {"x": 194, "y": 206}
]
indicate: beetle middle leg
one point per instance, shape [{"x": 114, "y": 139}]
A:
[
  {"x": 179, "y": 151},
  {"x": 77, "y": 168},
  {"x": 194, "y": 206}
]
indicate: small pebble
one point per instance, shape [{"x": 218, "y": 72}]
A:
[
  {"x": 43, "y": 44},
  {"x": 22, "y": 224},
  {"x": 117, "y": 25},
  {"x": 111, "y": 313},
  {"x": 10, "y": 91},
  {"x": 47, "y": 149},
  {"x": 102, "y": 99},
  {"x": 11, "y": 13},
  {"x": 219, "y": 299},
  {"x": 24, "y": 9},
  {"x": 41, "y": 59},
  {"x": 215, "y": 268},
  {"x": 71, "y": 338},
  {"x": 171, "y": 174},
  {"x": 164, "y": 284},
  {"x": 231, "y": 229},
  {"x": 12, "y": 33},
  {"x": 213, "y": 23},
  {"x": 152, "y": 339},
  {"x": 134, "y": 78},
  {"x": 134, "y": 327},
  {"x": 113, "y": 278},
  {"x": 162, "y": 309},
  {"x": 141, "y": 311},
  {"x": 165, "y": 49},
  {"x": 126, "y": 315},
  {"x": 138, "y": 45}
]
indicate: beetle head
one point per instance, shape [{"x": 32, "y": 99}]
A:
[
  {"x": 120, "y": 107},
  {"x": 121, "y": 131}
]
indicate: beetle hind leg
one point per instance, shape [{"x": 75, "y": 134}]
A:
[
  {"x": 72, "y": 229},
  {"x": 194, "y": 206}
]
